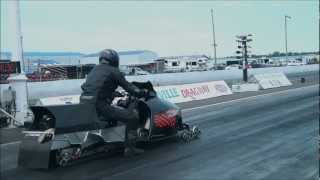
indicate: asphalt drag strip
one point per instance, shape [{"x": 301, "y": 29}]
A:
[{"x": 274, "y": 136}]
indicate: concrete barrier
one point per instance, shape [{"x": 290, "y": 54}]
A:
[
  {"x": 38, "y": 90},
  {"x": 271, "y": 80},
  {"x": 245, "y": 87},
  {"x": 72, "y": 99},
  {"x": 174, "y": 94}
]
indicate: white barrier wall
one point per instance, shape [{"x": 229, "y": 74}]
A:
[
  {"x": 272, "y": 80},
  {"x": 174, "y": 94},
  {"x": 69, "y": 87},
  {"x": 245, "y": 87},
  {"x": 206, "y": 76},
  {"x": 72, "y": 99}
]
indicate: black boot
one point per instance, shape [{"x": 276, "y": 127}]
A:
[{"x": 130, "y": 149}]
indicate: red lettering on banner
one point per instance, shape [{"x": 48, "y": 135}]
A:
[
  {"x": 183, "y": 92},
  {"x": 196, "y": 91}
]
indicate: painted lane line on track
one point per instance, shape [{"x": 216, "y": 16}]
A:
[{"x": 245, "y": 98}]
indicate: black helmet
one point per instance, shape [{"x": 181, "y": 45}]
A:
[{"x": 110, "y": 56}]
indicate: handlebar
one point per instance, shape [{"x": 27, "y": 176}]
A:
[{"x": 126, "y": 98}]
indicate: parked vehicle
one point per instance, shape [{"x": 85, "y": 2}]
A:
[
  {"x": 186, "y": 63},
  {"x": 174, "y": 65},
  {"x": 139, "y": 71},
  {"x": 133, "y": 70},
  {"x": 294, "y": 63},
  {"x": 232, "y": 67}
]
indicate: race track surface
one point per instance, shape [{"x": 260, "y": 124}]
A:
[{"x": 269, "y": 137}]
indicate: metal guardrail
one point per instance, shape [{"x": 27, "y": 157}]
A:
[
  {"x": 59, "y": 70},
  {"x": 14, "y": 120}
]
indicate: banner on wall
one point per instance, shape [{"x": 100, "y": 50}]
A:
[
  {"x": 272, "y": 80},
  {"x": 245, "y": 87},
  {"x": 190, "y": 92},
  {"x": 174, "y": 94}
]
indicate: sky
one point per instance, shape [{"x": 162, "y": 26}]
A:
[{"x": 165, "y": 27}]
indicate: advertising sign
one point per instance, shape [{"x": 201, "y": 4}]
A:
[
  {"x": 174, "y": 93},
  {"x": 272, "y": 80},
  {"x": 190, "y": 92}
]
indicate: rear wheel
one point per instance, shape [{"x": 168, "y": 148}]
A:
[
  {"x": 190, "y": 134},
  {"x": 196, "y": 132},
  {"x": 63, "y": 157},
  {"x": 186, "y": 136}
]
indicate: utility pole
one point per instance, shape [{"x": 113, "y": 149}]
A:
[
  {"x": 214, "y": 41},
  {"x": 17, "y": 50},
  {"x": 285, "y": 34},
  {"x": 39, "y": 70},
  {"x": 243, "y": 46},
  {"x": 18, "y": 82}
]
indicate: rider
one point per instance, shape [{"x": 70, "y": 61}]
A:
[{"x": 99, "y": 88}]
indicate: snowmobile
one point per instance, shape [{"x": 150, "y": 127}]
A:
[{"x": 61, "y": 134}]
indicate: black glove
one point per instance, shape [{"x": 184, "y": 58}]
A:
[{"x": 143, "y": 93}]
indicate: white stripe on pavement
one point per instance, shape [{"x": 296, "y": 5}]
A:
[{"x": 241, "y": 99}]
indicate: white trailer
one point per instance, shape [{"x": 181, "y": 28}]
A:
[{"x": 185, "y": 63}]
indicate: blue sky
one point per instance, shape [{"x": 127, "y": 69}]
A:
[{"x": 168, "y": 28}]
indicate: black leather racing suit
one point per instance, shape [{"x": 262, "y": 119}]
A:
[{"x": 98, "y": 89}]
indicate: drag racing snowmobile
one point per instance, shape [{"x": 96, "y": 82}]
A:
[{"x": 61, "y": 134}]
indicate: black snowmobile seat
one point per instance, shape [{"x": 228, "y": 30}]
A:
[{"x": 69, "y": 118}]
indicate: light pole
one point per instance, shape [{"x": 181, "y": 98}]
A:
[
  {"x": 243, "y": 41},
  {"x": 286, "y": 38},
  {"x": 19, "y": 81},
  {"x": 214, "y": 41}
]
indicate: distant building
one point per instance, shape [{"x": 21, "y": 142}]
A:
[
  {"x": 131, "y": 62},
  {"x": 34, "y": 60},
  {"x": 127, "y": 58}
]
